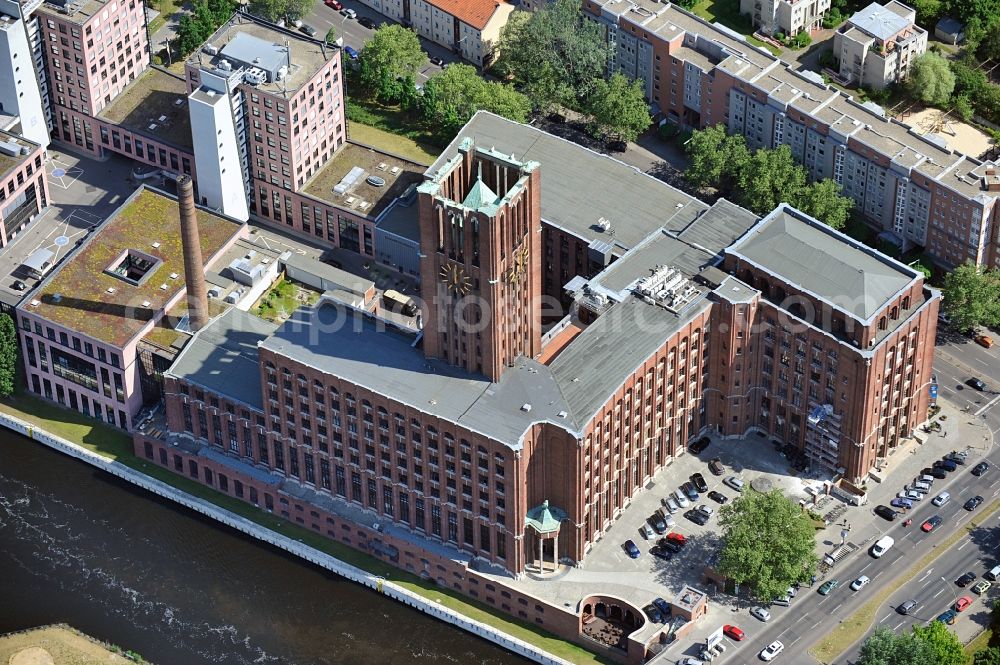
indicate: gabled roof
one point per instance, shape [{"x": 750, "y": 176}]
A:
[{"x": 476, "y": 13}]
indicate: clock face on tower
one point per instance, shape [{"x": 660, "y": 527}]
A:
[
  {"x": 454, "y": 277},
  {"x": 519, "y": 264}
]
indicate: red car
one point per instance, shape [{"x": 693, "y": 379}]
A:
[
  {"x": 963, "y": 604},
  {"x": 334, "y": 4},
  {"x": 931, "y": 524},
  {"x": 677, "y": 538},
  {"x": 737, "y": 635}
]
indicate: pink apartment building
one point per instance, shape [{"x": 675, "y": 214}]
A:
[{"x": 24, "y": 189}]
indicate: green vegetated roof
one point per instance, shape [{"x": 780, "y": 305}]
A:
[{"x": 76, "y": 294}]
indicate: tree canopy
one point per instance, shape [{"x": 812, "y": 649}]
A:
[
  {"x": 618, "y": 107},
  {"x": 972, "y": 296},
  {"x": 194, "y": 29},
  {"x": 760, "y": 180},
  {"x": 931, "y": 79},
  {"x": 886, "y": 647},
  {"x": 987, "y": 656},
  {"x": 554, "y": 55},
  {"x": 274, "y": 10},
  {"x": 942, "y": 644},
  {"x": 453, "y": 96},
  {"x": 8, "y": 355},
  {"x": 390, "y": 60},
  {"x": 768, "y": 543}
]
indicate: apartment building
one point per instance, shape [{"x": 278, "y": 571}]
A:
[
  {"x": 487, "y": 447},
  {"x": 22, "y": 103},
  {"x": 876, "y": 46},
  {"x": 24, "y": 187},
  {"x": 911, "y": 188},
  {"x": 266, "y": 112},
  {"x": 789, "y": 17},
  {"x": 470, "y": 28}
]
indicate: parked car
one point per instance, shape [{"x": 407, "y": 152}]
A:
[
  {"x": 735, "y": 483},
  {"x": 984, "y": 340},
  {"x": 734, "y": 633},
  {"x": 658, "y": 523},
  {"x": 946, "y": 464},
  {"x": 670, "y": 545},
  {"x": 941, "y": 499},
  {"x": 334, "y": 4},
  {"x": 885, "y": 512},
  {"x": 760, "y": 613},
  {"x": 715, "y": 466},
  {"x": 690, "y": 661},
  {"x": 860, "y": 583},
  {"x": 828, "y": 586},
  {"x": 957, "y": 458},
  {"x": 699, "y": 445},
  {"x": 349, "y": 13},
  {"x": 647, "y": 531},
  {"x": 366, "y": 22},
  {"x": 901, "y": 503},
  {"x": 947, "y": 617},
  {"x": 772, "y": 650},
  {"x": 907, "y": 607},
  {"x": 932, "y": 523},
  {"x": 309, "y": 31},
  {"x": 653, "y": 613},
  {"x": 663, "y": 606},
  {"x": 980, "y": 469},
  {"x": 911, "y": 495},
  {"x": 973, "y": 503},
  {"x": 18, "y": 285},
  {"x": 966, "y": 579},
  {"x": 718, "y": 497},
  {"x": 631, "y": 549},
  {"x": 436, "y": 61},
  {"x": 977, "y": 383},
  {"x": 671, "y": 504},
  {"x": 699, "y": 483},
  {"x": 681, "y": 499},
  {"x": 697, "y": 517},
  {"x": 935, "y": 473},
  {"x": 962, "y": 604},
  {"x": 678, "y": 538},
  {"x": 705, "y": 509},
  {"x": 351, "y": 52},
  {"x": 661, "y": 552},
  {"x": 981, "y": 587},
  {"x": 690, "y": 491}
]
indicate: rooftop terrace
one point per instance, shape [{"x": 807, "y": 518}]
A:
[
  {"x": 81, "y": 296},
  {"x": 10, "y": 162},
  {"x": 77, "y": 11},
  {"x": 149, "y": 105},
  {"x": 242, "y": 37},
  {"x": 362, "y": 197}
]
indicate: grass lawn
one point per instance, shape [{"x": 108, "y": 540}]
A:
[
  {"x": 116, "y": 445},
  {"x": 982, "y": 641},
  {"x": 770, "y": 47},
  {"x": 854, "y": 627},
  {"x": 395, "y": 144},
  {"x": 726, "y": 12},
  {"x": 396, "y": 122},
  {"x": 283, "y": 299}
]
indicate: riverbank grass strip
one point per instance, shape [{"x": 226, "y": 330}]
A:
[
  {"x": 854, "y": 627},
  {"x": 115, "y": 445}
]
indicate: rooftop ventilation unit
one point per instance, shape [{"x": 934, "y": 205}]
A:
[
  {"x": 668, "y": 288},
  {"x": 526, "y": 407},
  {"x": 255, "y": 76},
  {"x": 225, "y": 65},
  {"x": 211, "y": 50},
  {"x": 111, "y": 289}
]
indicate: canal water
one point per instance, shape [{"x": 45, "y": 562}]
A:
[{"x": 81, "y": 547}]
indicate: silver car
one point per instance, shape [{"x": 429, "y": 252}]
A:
[
  {"x": 671, "y": 504},
  {"x": 760, "y": 613},
  {"x": 682, "y": 500}
]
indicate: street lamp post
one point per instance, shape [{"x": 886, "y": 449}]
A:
[{"x": 954, "y": 593}]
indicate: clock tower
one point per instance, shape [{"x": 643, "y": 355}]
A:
[{"x": 480, "y": 265}]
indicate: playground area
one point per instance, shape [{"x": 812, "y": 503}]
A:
[{"x": 960, "y": 136}]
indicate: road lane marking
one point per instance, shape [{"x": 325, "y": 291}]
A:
[
  {"x": 940, "y": 591},
  {"x": 795, "y": 640},
  {"x": 836, "y": 608},
  {"x": 927, "y": 574},
  {"x": 866, "y": 567},
  {"x": 963, "y": 545},
  {"x": 898, "y": 625},
  {"x": 885, "y": 618},
  {"x": 987, "y": 405}
]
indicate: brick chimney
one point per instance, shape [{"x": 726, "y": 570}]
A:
[{"x": 194, "y": 267}]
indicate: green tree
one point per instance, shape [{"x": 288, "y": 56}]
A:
[
  {"x": 618, "y": 107},
  {"x": 194, "y": 28},
  {"x": 943, "y": 644},
  {"x": 296, "y": 9},
  {"x": 931, "y": 80},
  {"x": 768, "y": 543},
  {"x": 823, "y": 201},
  {"x": 452, "y": 97},
  {"x": 963, "y": 108},
  {"x": 972, "y": 296},
  {"x": 928, "y": 12},
  {"x": 885, "y": 647},
  {"x": 771, "y": 177},
  {"x": 987, "y": 656},
  {"x": 553, "y": 55},
  {"x": 8, "y": 355},
  {"x": 715, "y": 159},
  {"x": 989, "y": 46},
  {"x": 919, "y": 266},
  {"x": 390, "y": 61},
  {"x": 331, "y": 36},
  {"x": 272, "y": 10}
]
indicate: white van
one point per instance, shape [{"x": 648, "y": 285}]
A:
[
  {"x": 993, "y": 574},
  {"x": 882, "y": 546}
]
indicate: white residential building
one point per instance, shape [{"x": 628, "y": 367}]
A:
[
  {"x": 785, "y": 16},
  {"x": 877, "y": 45}
]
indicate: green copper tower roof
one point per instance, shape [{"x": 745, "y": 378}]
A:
[
  {"x": 479, "y": 194},
  {"x": 545, "y": 518}
]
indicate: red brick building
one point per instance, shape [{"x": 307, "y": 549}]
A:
[{"x": 485, "y": 443}]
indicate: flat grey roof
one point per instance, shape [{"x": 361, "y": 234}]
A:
[
  {"x": 222, "y": 357},
  {"x": 879, "y": 21},
  {"x": 826, "y": 263},
  {"x": 401, "y": 220},
  {"x": 329, "y": 275},
  {"x": 580, "y": 186},
  {"x": 354, "y": 348},
  {"x": 252, "y": 51}
]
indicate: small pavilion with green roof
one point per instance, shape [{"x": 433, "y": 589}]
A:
[{"x": 545, "y": 521}]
